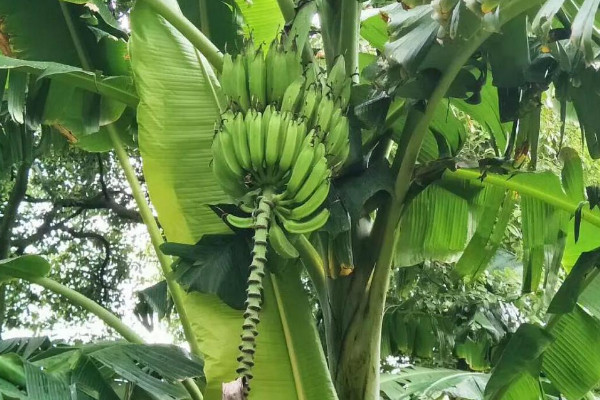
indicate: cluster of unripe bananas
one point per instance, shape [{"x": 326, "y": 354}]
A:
[
  {"x": 283, "y": 137},
  {"x": 285, "y": 133}
]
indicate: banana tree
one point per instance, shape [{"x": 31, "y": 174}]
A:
[{"x": 396, "y": 189}]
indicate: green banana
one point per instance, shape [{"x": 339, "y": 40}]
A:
[
  {"x": 240, "y": 141},
  {"x": 257, "y": 80},
  {"x": 336, "y": 78},
  {"x": 277, "y": 78},
  {"x": 311, "y": 224},
  {"x": 312, "y": 98},
  {"x": 240, "y": 83},
  {"x": 319, "y": 173},
  {"x": 272, "y": 136},
  {"x": 312, "y": 74},
  {"x": 292, "y": 95},
  {"x": 335, "y": 118},
  {"x": 300, "y": 170},
  {"x": 313, "y": 203},
  {"x": 240, "y": 222},
  {"x": 324, "y": 113},
  {"x": 288, "y": 151},
  {"x": 227, "y": 77},
  {"x": 319, "y": 153},
  {"x": 228, "y": 179},
  {"x": 338, "y": 137},
  {"x": 293, "y": 67},
  {"x": 340, "y": 160},
  {"x": 224, "y": 141},
  {"x": 281, "y": 243},
  {"x": 343, "y": 99},
  {"x": 256, "y": 139},
  {"x": 302, "y": 137}
]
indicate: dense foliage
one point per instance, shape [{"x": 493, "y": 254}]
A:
[{"x": 448, "y": 219}]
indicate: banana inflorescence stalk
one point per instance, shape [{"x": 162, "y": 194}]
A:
[
  {"x": 283, "y": 137},
  {"x": 254, "y": 292}
]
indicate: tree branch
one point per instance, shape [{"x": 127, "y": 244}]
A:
[
  {"x": 9, "y": 215},
  {"x": 93, "y": 203},
  {"x": 101, "y": 177}
]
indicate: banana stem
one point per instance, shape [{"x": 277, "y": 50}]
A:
[
  {"x": 263, "y": 215},
  {"x": 156, "y": 239},
  {"x": 189, "y": 31}
]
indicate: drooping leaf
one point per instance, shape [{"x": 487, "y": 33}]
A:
[
  {"x": 354, "y": 191},
  {"x": 572, "y": 174},
  {"x": 572, "y": 361},
  {"x": 11, "y": 369},
  {"x": 17, "y": 89},
  {"x": 583, "y": 27},
  {"x": 90, "y": 382},
  {"x": 176, "y": 157},
  {"x": 542, "y": 23},
  {"x": 567, "y": 296},
  {"x": 26, "y": 346},
  {"x": 43, "y": 386},
  {"x": 301, "y": 26},
  {"x": 593, "y": 196},
  {"x": 516, "y": 374},
  {"x": 584, "y": 94},
  {"x": 153, "y": 300},
  {"x": 411, "y": 34},
  {"x": 486, "y": 113},
  {"x": 217, "y": 264},
  {"x": 435, "y": 224},
  {"x": 134, "y": 362},
  {"x": 508, "y": 53},
  {"x": 117, "y": 89},
  {"x": 589, "y": 299},
  {"x": 489, "y": 233},
  {"x": 26, "y": 23},
  {"x": 28, "y": 266},
  {"x": 419, "y": 382}
]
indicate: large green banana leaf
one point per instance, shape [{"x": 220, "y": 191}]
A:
[
  {"x": 176, "y": 118},
  {"x": 49, "y": 34},
  {"x": 263, "y": 19}
]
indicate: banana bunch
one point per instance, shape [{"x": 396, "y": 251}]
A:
[
  {"x": 271, "y": 151},
  {"x": 283, "y": 137},
  {"x": 253, "y": 82}
]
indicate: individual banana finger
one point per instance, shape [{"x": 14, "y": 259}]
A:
[
  {"x": 227, "y": 77},
  {"x": 280, "y": 243},
  {"x": 313, "y": 203},
  {"x": 324, "y": 113},
  {"x": 256, "y": 140},
  {"x": 240, "y": 142},
  {"x": 288, "y": 152},
  {"x": 318, "y": 175},
  {"x": 336, "y": 78},
  {"x": 310, "y": 103},
  {"x": 257, "y": 80},
  {"x": 293, "y": 95},
  {"x": 311, "y": 224},
  {"x": 240, "y": 222},
  {"x": 240, "y": 83},
  {"x": 300, "y": 171},
  {"x": 273, "y": 134}
]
